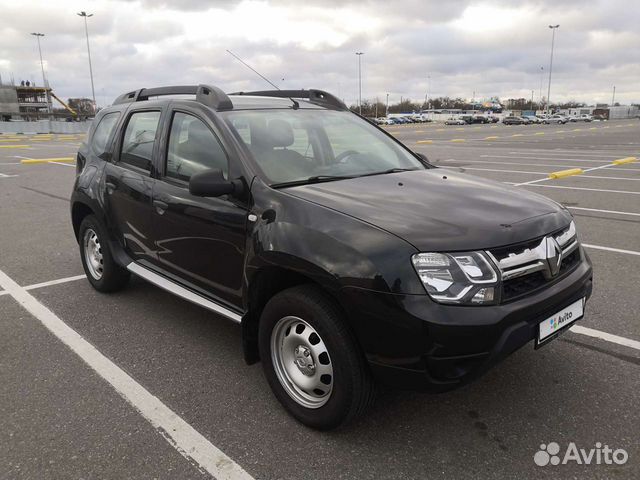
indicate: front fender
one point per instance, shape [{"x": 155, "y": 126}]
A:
[{"x": 327, "y": 245}]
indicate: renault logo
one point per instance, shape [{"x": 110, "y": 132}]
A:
[{"x": 554, "y": 256}]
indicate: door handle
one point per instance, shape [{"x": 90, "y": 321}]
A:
[
  {"x": 110, "y": 187},
  {"x": 161, "y": 206}
]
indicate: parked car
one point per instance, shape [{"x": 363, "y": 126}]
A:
[
  {"x": 455, "y": 121},
  {"x": 585, "y": 117},
  {"x": 287, "y": 213},
  {"x": 512, "y": 120},
  {"x": 557, "y": 119},
  {"x": 479, "y": 119},
  {"x": 532, "y": 118},
  {"x": 526, "y": 120}
]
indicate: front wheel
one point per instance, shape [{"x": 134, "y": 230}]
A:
[{"x": 311, "y": 359}]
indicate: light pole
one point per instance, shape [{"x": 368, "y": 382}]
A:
[
  {"x": 532, "y": 100},
  {"x": 359, "y": 54},
  {"x": 44, "y": 79},
  {"x": 613, "y": 97},
  {"x": 86, "y": 31},
  {"x": 428, "y": 91},
  {"x": 541, "y": 78},
  {"x": 38, "y": 35},
  {"x": 387, "y": 114},
  {"x": 553, "y": 37}
]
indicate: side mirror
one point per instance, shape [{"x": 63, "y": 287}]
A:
[{"x": 211, "y": 183}]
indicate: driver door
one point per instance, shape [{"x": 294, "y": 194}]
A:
[{"x": 200, "y": 241}]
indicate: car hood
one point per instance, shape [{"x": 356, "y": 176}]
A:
[{"x": 440, "y": 210}]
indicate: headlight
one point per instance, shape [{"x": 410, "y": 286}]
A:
[{"x": 462, "y": 278}]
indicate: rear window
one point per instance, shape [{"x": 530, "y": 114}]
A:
[
  {"x": 139, "y": 138},
  {"x": 103, "y": 133}
]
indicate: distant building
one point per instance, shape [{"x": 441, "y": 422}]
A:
[
  {"x": 22, "y": 102},
  {"x": 617, "y": 112},
  {"x": 9, "y": 106}
]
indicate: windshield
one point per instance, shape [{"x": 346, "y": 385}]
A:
[{"x": 306, "y": 146}]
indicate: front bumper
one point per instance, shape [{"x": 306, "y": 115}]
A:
[{"x": 414, "y": 343}]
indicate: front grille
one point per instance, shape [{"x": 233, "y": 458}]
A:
[
  {"x": 532, "y": 265},
  {"x": 522, "y": 286}
]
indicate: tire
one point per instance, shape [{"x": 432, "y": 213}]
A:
[
  {"x": 104, "y": 274},
  {"x": 311, "y": 359}
]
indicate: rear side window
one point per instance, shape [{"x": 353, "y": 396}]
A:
[
  {"x": 193, "y": 148},
  {"x": 139, "y": 138},
  {"x": 103, "y": 132}
]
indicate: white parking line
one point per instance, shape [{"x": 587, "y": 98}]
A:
[
  {"x": 627, "y": 192},
  {"x": 552, "y": 165},
  {"x": 554, "y": 159},
  {"x": 55, "y": 282},
  {"x": 616, "y": 212},
  {"x": 627, "y": 342},
  {"x": 540, "y": 173},
  {"x": 581, "y": 153},
  {"x": 493, "y": 170},
  {"x": 182, "y": 436},
  {"x": 64, "y": 164},
  {"x": 49, "y": 283},
  {"x": 611, "y": 249}
]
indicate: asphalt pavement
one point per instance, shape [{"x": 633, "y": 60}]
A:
[{"x": 62, "y": 417}]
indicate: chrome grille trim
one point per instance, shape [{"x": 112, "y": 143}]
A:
[{"x": 539, "y": 257}]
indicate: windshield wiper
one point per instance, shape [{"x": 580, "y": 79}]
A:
[
  {"x": 330, "y": 178},
  {"x": 391, "y": 170},
  {"x": 310, "y": 180}
]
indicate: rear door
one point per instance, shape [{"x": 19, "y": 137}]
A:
[
  {"x": 129, "y": 183},
  {"x": 200, "y": 241}
]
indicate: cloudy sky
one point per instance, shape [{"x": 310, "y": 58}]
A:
[{"x": 495, "y": 48}]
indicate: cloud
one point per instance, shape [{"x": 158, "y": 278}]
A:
[{"x": 493, "y": 47}]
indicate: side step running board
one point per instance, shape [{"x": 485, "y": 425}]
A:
[{"x": 182, "y": 292}]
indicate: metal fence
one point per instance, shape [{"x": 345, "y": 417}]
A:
[{"x": 44, "y": 126}]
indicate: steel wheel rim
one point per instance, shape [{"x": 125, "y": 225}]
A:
[
  {"x": 93, "y": 254},
  {"x": 302, "y": 362}
]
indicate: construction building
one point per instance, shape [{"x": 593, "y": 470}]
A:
[{"x": 29, "y": 102}]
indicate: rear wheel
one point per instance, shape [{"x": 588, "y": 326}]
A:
[
  {"x": 104, "y": 274},
  {"x": 311, "y": 359}
]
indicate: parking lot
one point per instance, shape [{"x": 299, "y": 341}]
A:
[{"x": 69, "y": 371}]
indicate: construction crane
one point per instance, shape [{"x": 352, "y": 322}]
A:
[{"x": 67, "y": 107}]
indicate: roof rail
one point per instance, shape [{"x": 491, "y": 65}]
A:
[
  {"x": 206, "y": 94},
  {"x": 314, "y": 96}
]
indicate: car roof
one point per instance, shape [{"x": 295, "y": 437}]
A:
[
  {"x": 216, "y": 99},
  {"x": 240, "y": 102}
]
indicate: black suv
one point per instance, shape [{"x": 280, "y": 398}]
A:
[{"x": 347, "y": 259}]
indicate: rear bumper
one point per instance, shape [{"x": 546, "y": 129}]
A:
[{"x": 414, "y": 343}]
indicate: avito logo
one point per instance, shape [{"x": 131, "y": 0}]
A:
[{"x": 550, "y": 454}]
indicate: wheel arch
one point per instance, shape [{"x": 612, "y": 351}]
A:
[
  {"x": 79, "y": 211},
  {"x": 267, "y": 282}
]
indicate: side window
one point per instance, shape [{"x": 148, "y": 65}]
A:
[
  {"x": 103, "y": 132},
  {"x": 193, "y": 148},
  {"x": 139, "y": 137}
]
